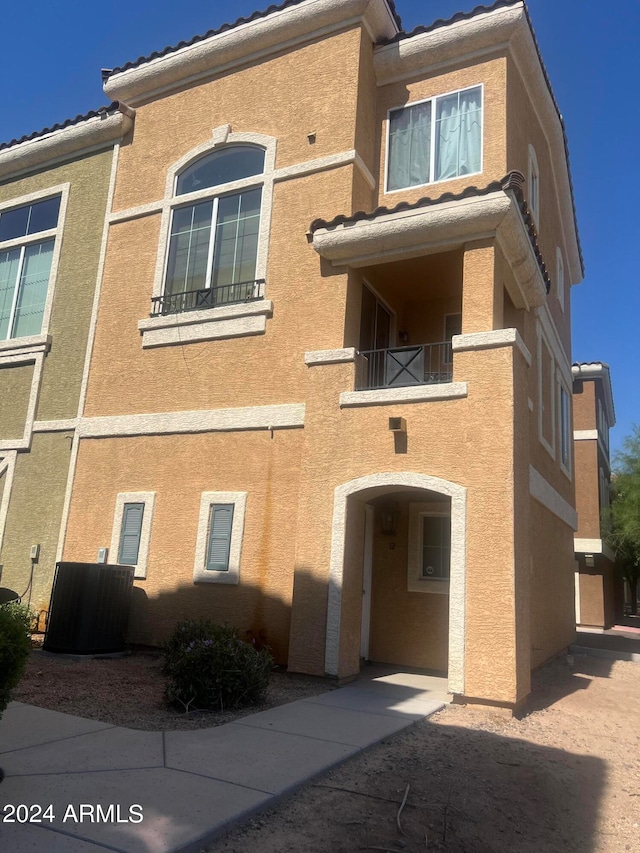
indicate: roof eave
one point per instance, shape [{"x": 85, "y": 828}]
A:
[
  {"x": 598, "y": 371},
  {"x": 246, "y": 42},
  {"x": 99, "y": 131}
]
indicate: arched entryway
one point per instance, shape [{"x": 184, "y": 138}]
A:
[{"x": 403, "y": 586}]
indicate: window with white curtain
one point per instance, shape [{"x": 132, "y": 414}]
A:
[
  {"x": 213, "y": 239},
  {"x": 27, "y": 239},
  {"x": 435, "y": 140}
]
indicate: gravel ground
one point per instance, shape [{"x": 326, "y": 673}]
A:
[{"x": 129, "y": 692}]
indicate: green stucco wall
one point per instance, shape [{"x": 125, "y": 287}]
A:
[{"x": 15, "y": 387}]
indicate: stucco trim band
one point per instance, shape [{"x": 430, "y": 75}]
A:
[
  {"x": 8, "y": 468},
  {"x": 457, "y": 588},
  {"x": 68, "y": 425},
  {"x": 594, "y": 546},
  {"x": 491, "y": 340},
  {"x": 410, "y": 394},
  {"x": 314, "y": 358},
  {"x": 212, "y": 420},
  {"x": 585, "y": 435},
  {"x": 544, "y": 493},
  {"x": 230, "y": 321}
]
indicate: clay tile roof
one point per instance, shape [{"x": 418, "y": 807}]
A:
[
  {"x": 69, "y": 122},
  {"x": 479, "y": 10},
  {"x": 255, "y": 16},
  {"x": 513, "y": 181}
]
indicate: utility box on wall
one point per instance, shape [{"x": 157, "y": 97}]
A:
[{"x": 89, "y": 608}]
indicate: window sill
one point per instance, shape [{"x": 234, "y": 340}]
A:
[
  {"x": 228, "y": 321},
  {"x": 435, "y": 587},
  {"x": 204, "y": 576},
  {"x": 15, "y": 348}
]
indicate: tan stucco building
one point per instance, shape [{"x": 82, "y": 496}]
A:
[
  {"x": 598, "y": 589},
  {"x": 329, "y": 394},
  {"x": 54, "y": 186}
]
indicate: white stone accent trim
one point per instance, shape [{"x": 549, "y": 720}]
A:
[
  {"x": 585, "y": 434},
  {"x": 59, "y": 145},
  {"x": 423, "y": 230},
  {"x": 247, "y": 44},
  {"x": 232, "y": 576},
  {"x": 491, "y": 340},
  {"x": 23, "y": 347},
  {"x": 68, "y": 425},
  {"x": 149, "y": 500},
  {"x": 577, "y": 596},
  {"x": 553, "y": 339},
  {"x": 329, "y": 356},
  {"x": 321, "y": 164},
  {"x": 457, "y": 590},
  {"x": 230, "y": 321},
  {"x": 366, "y": 174},
  {"x": 8, "y": 467},
  {"x": 544, "y": 493},
  {"x": 130, "y": 213},
  {"x": 410, "y": 394},
  {"x": 593, "y": 546},
  {"x": 543, "y": 342},
  {"x": 204, "y": 420}
]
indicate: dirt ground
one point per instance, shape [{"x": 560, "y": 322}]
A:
[
  {"x": 564, "y": 778},
  {"x": 129, "y": 692}
]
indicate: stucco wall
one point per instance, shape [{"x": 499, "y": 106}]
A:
[
  {"x": 35, "y": 510},
  {"x": 178, "y": 469},
  {"x": 15, "y": 388}
]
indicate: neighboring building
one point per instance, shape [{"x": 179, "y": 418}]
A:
[
  {"x": 277, "y": 377},
  {"x": 53, "y": 195},
  {"x": 598, "y": 591}
]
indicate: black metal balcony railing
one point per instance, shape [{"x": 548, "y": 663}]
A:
[
  {"x": 210, "y": 297},
  {"x": 426, "y": 364}
]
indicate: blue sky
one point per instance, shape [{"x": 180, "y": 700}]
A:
[{"x": 52, "y": 53}]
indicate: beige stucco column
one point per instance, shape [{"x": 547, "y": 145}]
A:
[{"x": 482, "y": 291}]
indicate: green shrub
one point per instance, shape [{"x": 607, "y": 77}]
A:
[
  {"x": 15, "y": 645},
  {"x": 209, "y": 667}
]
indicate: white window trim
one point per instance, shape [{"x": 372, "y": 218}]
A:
[
  {"x": 560, "y": 284},
  {"x": 416, "y": 582},
  {"x": 149, "y": 500},
  {"x": 221, "y": 137},
  {"x": 62, "y": 190},
  {"x": 533, "y": 195},
  {"x": 561, "y": 385},
  {"x": 434, "y": 98},
  {"x": 232, "y": 576},
  {"x": 543, "y": 341}
]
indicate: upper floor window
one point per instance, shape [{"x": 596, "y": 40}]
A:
[
  {"x": 435, "y": 140},
  {"x": 213, "y": 240},
  {"x": 27, "y": 239},
  {"x": 534, "y": 185}
]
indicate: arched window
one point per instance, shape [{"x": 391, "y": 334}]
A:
[{"x": 214, "y": 235}]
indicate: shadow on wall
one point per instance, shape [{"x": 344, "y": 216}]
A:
[{"x": 263, "y": 617}]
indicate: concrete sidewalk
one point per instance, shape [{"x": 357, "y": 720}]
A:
[
  {"x": 614, "y": 643},
  {"x": 174, "y": 791}
]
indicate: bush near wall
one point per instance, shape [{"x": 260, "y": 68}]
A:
[
  {"x": 209, "y": 667},
  {"x": 15, "y": 646}
]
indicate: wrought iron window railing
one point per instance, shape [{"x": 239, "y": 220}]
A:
[
  {"x": 210, "y": 297},
  {"x": 425, "y": 364}
]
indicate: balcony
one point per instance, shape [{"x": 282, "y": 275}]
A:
[
  {"x": 211, "y": 297},
  {"x": 401, "y": 367}
]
